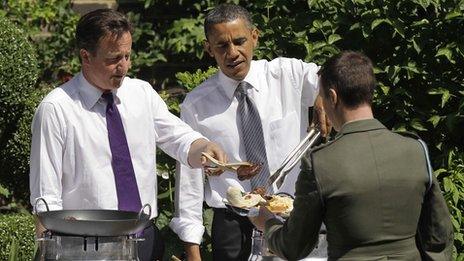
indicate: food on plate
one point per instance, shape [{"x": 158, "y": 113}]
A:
[
  {"x": 247, "y": 172},
  {"x": 260, "y": 191},
  {"x": 240, "y": 199},
  {"x": 281, "y": 205}
]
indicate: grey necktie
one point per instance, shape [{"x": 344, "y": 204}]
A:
[{"x": 252, "y": 135}]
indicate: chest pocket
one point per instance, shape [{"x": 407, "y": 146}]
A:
[{"x": 284, "y": 135}]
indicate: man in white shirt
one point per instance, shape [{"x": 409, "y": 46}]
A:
[
  {"x": 94, "y": 138},
  {"x": 281, "y": 91}
]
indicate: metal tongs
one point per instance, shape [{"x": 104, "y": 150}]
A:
[
  {"x": 313, "y": 138},
  {"x": 225, "y": 166}
]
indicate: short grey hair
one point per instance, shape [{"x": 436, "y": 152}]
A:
[{"x": 226, "y": 13}]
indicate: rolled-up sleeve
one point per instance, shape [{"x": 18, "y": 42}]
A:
[
  {"x": 297, "y": 236},
  {"x": 188, "y": 217},
  {"x": 46, "y": 158}
]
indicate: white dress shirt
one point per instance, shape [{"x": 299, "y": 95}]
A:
[
  {"x": 283, "y": 89},
  {"x": 71, "y": 156}
]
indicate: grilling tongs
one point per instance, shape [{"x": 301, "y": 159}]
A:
[{"x": 313, "y": 138}]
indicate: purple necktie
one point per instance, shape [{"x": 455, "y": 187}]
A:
[{"x": 124, "y": 176}]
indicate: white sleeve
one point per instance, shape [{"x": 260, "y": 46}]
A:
[
  {"x": 173, "y": 135},
  {"x": 188, "y": 217},
  {"x": 309, "y": 82},
  {"x": 46, "y": 158}
]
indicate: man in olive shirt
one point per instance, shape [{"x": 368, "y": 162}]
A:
[{"x": 374, "y": 189}]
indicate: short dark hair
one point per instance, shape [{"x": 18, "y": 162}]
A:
[
  {"x": 226, "y": 13},
  {"x": 351, "y": 75},
  {"x": 97, "y": 24}
]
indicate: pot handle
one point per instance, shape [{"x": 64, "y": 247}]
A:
[
  {"x": 139, "y": 216},
  {"x": 37, "y": 201}
]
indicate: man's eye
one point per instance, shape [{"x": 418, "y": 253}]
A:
[{"x": 240, "y": 42}]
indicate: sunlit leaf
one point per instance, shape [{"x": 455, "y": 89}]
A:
[
  {"x": 417, "y": 124},
  {"x": 447, "y": 184},
  {"x": 435, "y": 119},
  {"x": 317, "y": 23},
  {"x": 333, "y": 38},
  {"x": 377, "y": 22},
  {"x": 445, "y": 97},
  {"x": 385, "y": 89},
  {"x": 445, "y": 52},
  {"x": 455, "y": 196},
  {"x": 438, "y": 172},
  {"x": 416, "y": 45},
  {"x": 399, "y": 26},
  {"x": 453, "y": 14}
]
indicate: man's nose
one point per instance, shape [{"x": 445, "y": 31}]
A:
[
  {"x": 124, "y": 64},
  {"x": 233, "y": 51}
]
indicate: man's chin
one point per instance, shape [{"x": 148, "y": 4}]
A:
[
  {"x": 116, "y": 84},
  {"x": 238, "y": 76}
]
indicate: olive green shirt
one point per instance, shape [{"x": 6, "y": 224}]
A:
[{"x": 370, "y": 187}]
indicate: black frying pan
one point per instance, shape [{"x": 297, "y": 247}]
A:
[{"x": 100, "y": 222}]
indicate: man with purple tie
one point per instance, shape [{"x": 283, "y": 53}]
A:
[{"x": 95, "y": 137}]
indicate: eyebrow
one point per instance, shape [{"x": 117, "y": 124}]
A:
[{"x": 241, "y": 38}]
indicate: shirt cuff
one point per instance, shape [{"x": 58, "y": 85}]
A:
[
  {"x": 39, "y": 205},
  {"x": 189, "y": 139},
  {"x": 187, "y": 231}
]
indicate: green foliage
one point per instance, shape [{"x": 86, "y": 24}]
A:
[
  {"x": 16, "y": 237},
  {"x": 18, "y": 65},
  {"x": 14, "y": 157},
  {"x": 191, "y": 80},
  {"x": 51, "y": 25},
  {"x": 18, "y": 74},
  {"x": 452, "y": 176}
]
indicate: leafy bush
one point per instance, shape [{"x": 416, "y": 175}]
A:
[
  {"x": 18, "y": 74},
  {"x": 453, "y": 185},
  {"x": 16, "y": 236},
  {"x": 51, "y": 26}
]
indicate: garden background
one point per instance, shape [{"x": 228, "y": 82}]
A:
[{"x": 416, "y": 45}]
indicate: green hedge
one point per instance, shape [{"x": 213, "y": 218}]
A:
[
  {"x": 16, "y": 237},
  {"x": 18, "y": 75}
]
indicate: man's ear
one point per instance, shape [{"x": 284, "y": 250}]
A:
[
  {"x": 207, "y": 48},
  {"x": 85, "y": 56},
  {"x": 333, "y": 97},
  {"x": 254, "y": 37}
]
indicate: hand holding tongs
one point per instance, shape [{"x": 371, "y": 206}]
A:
[
  {"x": 313, "y": 137},
  {"x": 225, "y": 166}
]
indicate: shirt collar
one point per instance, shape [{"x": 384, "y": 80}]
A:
[
  {"x": 89, "y": 93},
  {"x": 229, "y": 85},
  {"x": 361, "y": 126}
]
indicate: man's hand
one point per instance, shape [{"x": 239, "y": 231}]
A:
[
  {"x": 197, "y": 160},
  {"x": 193, "y": 252},
  {"x": 260, "y": 220},
  {"x": 320, "y": 119},
  {"x": 39, "y": 228}
]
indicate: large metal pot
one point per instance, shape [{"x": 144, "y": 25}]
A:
[{"x": 99, "y": 222}]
